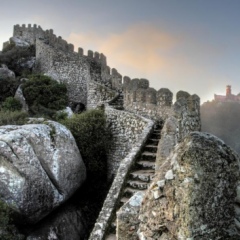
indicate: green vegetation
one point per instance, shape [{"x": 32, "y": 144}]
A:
[
  {"x": 11, "y": 104},
  {"x": 8, "y": 88},
  {"x": 13, "y": 118},
  {"x": 16, "y": 58},
  {"x": 92, "y": 137},
  {"x": 222, "y": 120},
  {"x": 44, "y": 95},
  {"x": 6, "y": 227}
]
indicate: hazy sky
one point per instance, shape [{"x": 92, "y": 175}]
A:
[{"x": 191, "y": 45}]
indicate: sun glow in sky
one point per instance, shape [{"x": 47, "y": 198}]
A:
[{"x": 181, "y": 45}]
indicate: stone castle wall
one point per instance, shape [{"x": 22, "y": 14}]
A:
[
  {"x": 67, "y": 67},
  {"x": 185, "y": 118},
  {"x": 145, "y": 101},
  {"x": 110, "y": 204},
  {"x": 126, "y": 129}
]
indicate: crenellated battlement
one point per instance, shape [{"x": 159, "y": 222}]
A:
[
  {"x": 138, "y": 90},
  {"x": 30, "y": 33}
]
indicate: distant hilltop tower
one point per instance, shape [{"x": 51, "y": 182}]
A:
[
  {"x": 228, "y": 91},
  {"x": 229, "y": 96}
]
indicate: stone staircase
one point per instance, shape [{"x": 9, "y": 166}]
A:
[
  {"x": 141, "y": 175},
  {"x": 118, "y": 102}
]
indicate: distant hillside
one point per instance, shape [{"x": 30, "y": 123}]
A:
[{"x": 223, "y": 120}]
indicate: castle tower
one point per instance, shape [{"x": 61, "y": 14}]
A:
[{"x": 228, "y": 91}]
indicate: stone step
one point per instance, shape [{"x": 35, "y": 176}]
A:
[
  {"x": 111, "y": 237},
  {"x": 146, "y": 165},
  {"x": 156, "y": 135},
  {"x": 139, "y": 185},
  {"x": 124, "y": 200},
  {"x": 153, "y": 141},
  {"x": 143, "y": 175},
  {"x": 130, "y": 190},
  {"x": 150, "y": 148},
  {"x": 149, "y": 156}
]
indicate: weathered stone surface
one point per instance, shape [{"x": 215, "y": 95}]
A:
[
  {"x": 127, "y": 217},
  {"x": 40, "y": 167},
  {"x": 53, "y": 76},
  {"x": 126, "y": 129},
  {"x": 64, "y": 224},
  {"x": 19, "y": 42},
  {"x": 197, "y": 199},
  {"x": 168, "y": 140},
  {"x": 5, "y": 73},
  {"x": 21, "y": 98},
  {"x": 68, "y": 111}
]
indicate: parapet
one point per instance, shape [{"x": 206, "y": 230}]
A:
[
  {"x": 164, "y": 97},
  {"x": 151, "y": 96},
  {"x": 137, "y": 90},
  {"x": 182, "y": 94},
  {"x": 30, "y": 33}
]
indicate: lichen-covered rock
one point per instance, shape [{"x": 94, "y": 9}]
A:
[
  {"x": 40, "y": 166},
  {"x": 127, "y": 217},
  {"x": 21, "y": 98},
  {"x": 193, "y": 194},
  {"x": 19, "y": 42},
  {"x": 5, "y": 73},
  {"x": 65, "y": 224},
  {"x": 169, "y": 138}
]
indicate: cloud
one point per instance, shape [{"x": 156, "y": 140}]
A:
[
  {"x": 168, "y": 60},
  {"x": 138, "y": 47}
]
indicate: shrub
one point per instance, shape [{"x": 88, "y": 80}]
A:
[
  {"x": 8, "y": 88},
  {"x": 11, "y": 104},
  {"x": 13, "y": 118},
  {"x": 92, "y": 138},
  {"x": 6, "y": 227},
  {"x": 14, "y": 57},
  {"x": 9, "y": 47},
  {"x": 45, "y": 95}
]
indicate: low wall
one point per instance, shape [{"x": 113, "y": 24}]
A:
[
  {"x": 127, "y": 129},
  {"x": 109, "y": 206},
  {"x": 149, "y": 110}
]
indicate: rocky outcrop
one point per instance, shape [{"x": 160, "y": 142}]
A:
[
  {"x": 67, "y": 223},
  {"x": 19, "y": 95},
  {"x": 192, "y": 196},
  {"x": 19, "y": 42},
  {"x": 5, "y": 73},
  {"x": 40, "y": 166},
  {"x": 127, "y": 217}
]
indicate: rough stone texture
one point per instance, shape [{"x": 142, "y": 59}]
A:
[
  {"x": 110, "y": 203},
  {"x": 21, "y": 98},
  {"x": 169, "y": 138},
  {"x": 127, "y": 218},
  {"x": 99, "y": 94},
  {"x": 185, "y": 118},
  {"x": 68, "y": 67},
  {"x": 18, "y": 42},
  {"x": 5, "y": 73},
  {"x": 40, "y": 166},
  {"x": 67, "y": 223},
  {"x": 68, "y": 111},
  {"x": 126, "y": 129},
  {"x": 147, "y": 102},
  {"x": 196, "y": 189}
]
